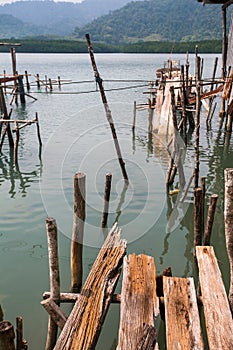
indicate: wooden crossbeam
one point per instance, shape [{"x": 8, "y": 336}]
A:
[
  {"x": 183, "y": 329},
  {"x": 218, "y": 319}
]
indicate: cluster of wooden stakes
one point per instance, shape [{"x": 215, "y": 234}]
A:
[{"x": 144, "y": 297}]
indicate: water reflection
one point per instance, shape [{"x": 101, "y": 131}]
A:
[{"x": 19, "y": 181}]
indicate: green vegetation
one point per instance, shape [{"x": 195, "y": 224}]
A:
[
  {"x": 167, "y": 20},
  {"x": 49, "y": 45}
]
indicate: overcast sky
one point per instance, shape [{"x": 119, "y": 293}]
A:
[{"x": 9, "y": 1}]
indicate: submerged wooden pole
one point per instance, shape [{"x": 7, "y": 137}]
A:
[
  {"x": 228, "y": 214},
  {"x": 78, "y": 231},
  {"x": 99, "y": 81},
  {"x": 210, "y": 219},
  {"x": 106, "y": 199},
  {"x": 51, "y": 229}
]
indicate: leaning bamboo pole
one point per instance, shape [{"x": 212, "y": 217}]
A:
[{"x": 99, "y": 81}]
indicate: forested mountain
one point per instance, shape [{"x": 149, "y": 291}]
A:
[
  {"x": 59, "y": 18},
  {"x": 180, "y": 20}
]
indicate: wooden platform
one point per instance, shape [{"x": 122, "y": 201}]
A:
[{"x": 140, "y": 306}]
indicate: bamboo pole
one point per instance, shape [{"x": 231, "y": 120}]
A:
[
  {"x": 99, "y": 81},
  {"x": 6, "y": 116},
  {"x": 27, "y": 81},
  {"x": 16, "y": 143},
  {"x": 197, "y": 137},
  {"x": 51, "y": 229},
  {"x": 228, "y": 214},
  {"x": 21, "y": 89},
  {"x": 197, "y": 216},
  {"x": 203, "y": 187},
  {"x": 38, "y": 130},
  {"x": 14, "y": 70},
  {"x": 210, "y": 219},
  {"x": 106, "y": 200},
  {"x": 78, "y": 231},
  {"x": 134, "y": 115}
]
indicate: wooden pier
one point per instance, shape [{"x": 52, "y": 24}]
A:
[{"x": 142, "y": 303}]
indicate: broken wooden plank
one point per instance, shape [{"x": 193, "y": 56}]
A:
[
  {"x": 183, "y": 329},
  {"x": 84, "y": 324},
  {"x": 217, "y": 312},
  {"x": 139, "y": 302}
]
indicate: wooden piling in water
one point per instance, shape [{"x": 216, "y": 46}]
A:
[
  {"x": 134, "y": 115},
  {"x": 27, "y": 81},
  {"x": 38, "y": 130},
  {"x": 99, "y": 81},
  {"x": 106, "y": 200},
  {"x": 7, "y": 336},
  {"x": 228, "y": 214},
  {"x": 197, "y": 136},
  {"x": 78, "y": 231},
  {"x": 197, "y": 216},
  {"x": 54, "y": 274},
  {"x": 210, "y": 219},
  {"x": 16, "y": 143},
  {"x": 21, "y": 89}
]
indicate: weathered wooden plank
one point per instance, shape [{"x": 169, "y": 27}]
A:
[
  {"x": 183, "y": 329},
  {"x": 83, "y": 326},
  {"x": 217, "y": 312},
  {"x": 139, "y": 303}
]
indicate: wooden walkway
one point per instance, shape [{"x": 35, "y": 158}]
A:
[{"x": 140, "y": 305}]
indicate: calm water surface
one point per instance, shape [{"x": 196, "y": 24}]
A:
[{"x": 75, "y": 138}]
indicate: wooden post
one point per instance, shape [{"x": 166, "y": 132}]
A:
[
  {"x": 150, "y": 116},
  {"x": 16, "y": 143},
  {"x": 197, "y": 216},
  {"x": 6, "y": 116},
  {"x": 50, "y": 85},
  {"x": 38, "y": 80},
  {"x": 106, "y": 199},
  {"x": 224, "y": 41},
  {"x": 27, "y": 81},
  {"x": 51, "y": 229},
  {"x": 21, "y": 344},
  {"x": 14, "y": 70},
  {"x": 134, "y": 115},
  {"x": 203, "y": 187},
  {"x": 187, "y": 75},
  {"x": 59, "y": 82},
  {"x": 197, "y": 136},
  {"x": 183, "y": 105},
  {"x": 107, "y": 109},
  {"x": 21, "y": 89},
  {"x": 7, "y": 336},
  {"x": 228, "y": 214},
  {"x": 38, "y": 130},
  {"x": 210, "y": 219},
  {"x": 78, "y": 231}
]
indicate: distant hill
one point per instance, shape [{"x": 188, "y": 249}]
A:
[
  {"x": 59, "y": 18},
  {"x": 156, "y": 20}
]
